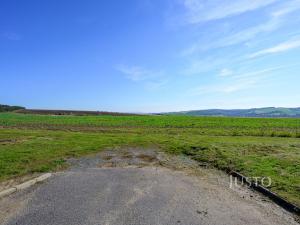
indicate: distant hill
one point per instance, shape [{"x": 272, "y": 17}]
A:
[
  {"x": 23, "y": 110},
  {"x": 255, "y": 112},
  {"x": 71, "y": 112},
  {"x": 8, "y": 108}
]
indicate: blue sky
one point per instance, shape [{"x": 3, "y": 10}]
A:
[{"x": 150, "y": 55}]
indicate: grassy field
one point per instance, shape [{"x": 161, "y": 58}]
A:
[{"x": 252, "y": 146}]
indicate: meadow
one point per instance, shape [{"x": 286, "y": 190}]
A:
[{"x": 252, "y": 146}]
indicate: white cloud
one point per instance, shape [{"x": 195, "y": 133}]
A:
[
  {"x": 259, "y": 72},
  {"x": 239, "y": 86},
  {"x": 278, "y": 17},
  {"x": 200, "y": 66},
  {"x": 236, "y": 38},
  {"x": 288, "y": 7},
  {"x": 149, "y": 79},
  {"x": 225, "y": 72},
  {"x": 154, "y": 85},
  {"x": 240, "y": 82},
  {"x": 136, "y": 73},
  {"x": 226, "y": 88},
  {"x": 282, "y": 47},
  {"x": 249, "y": 33},
  {"x": 199, "y": 10}
]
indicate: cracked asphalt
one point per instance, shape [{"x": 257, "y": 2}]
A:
[{"x": 131, "y": 188}]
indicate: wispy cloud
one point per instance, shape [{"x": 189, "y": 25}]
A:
[
  {"x": 136, "y": 73},
  {"x": 150, "y": 79},
  {"x": 154, "y": 85},
  {"x": 235, "y": 38},
  {"x": 250, "y": 33},
  {"x": 200, "y": 11},
  {"x": 258, "y": 73},
  {"x": 225, "y": 88},
  {"x": 232, "y": 85},
  {"x": 225, "y": 72},
  {"x": 286, "y": 8},
  {"x": 200, "y": 66},
  {"x": 277, "y": 18},
  {"x": 211, "y": 63},
  {"x": 238, "y": 82},
  {"x": 282, "y": 47}
]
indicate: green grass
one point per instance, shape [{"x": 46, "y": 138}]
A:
[
  {"x": 254, "y": 147},
  {"x": 206, "y": 125}
]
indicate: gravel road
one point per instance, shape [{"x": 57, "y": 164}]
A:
[{"x": 132, "y": 187}]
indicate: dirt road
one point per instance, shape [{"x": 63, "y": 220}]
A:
[{"x": 135, "y": 186}]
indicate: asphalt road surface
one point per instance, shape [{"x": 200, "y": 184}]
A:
[{"x": 135, "y": 189}]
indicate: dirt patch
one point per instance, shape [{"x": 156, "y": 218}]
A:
[
  {"x": 108, "y": 165},
  {"x": 18, "y": 180},
  {"x": 7, "y": 141},
  {"x": 129, "y": 157},
  {"x": 107, "y": 157},
  {"x": 147, "y": 158},
  {"x": 11, "y": 141},
  {"x": 136, "y": 157},
  {"x": 126, "y": 155}
]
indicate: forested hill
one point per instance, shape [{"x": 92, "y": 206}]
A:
[
  {"x": 255, "y": 112},
  {"x": 8, "y": 108}
]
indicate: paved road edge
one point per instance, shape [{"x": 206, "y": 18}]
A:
[
  {"x": 25, "y": 185},
  {"x": 274, "y": 197}
]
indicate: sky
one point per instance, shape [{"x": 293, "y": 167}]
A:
[{"x": 149, "y": 55}]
